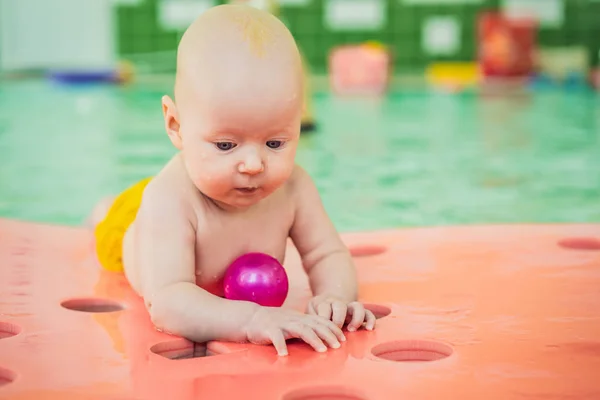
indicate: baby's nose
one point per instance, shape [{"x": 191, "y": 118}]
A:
[{"x": 251, "y": 165}]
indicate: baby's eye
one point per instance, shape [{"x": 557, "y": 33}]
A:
[
  {"x": 225, "y": 145},
  {"x": 274, "y": 144}
]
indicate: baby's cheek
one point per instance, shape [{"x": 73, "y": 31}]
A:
[
  {"x": 212, "y": 174},
  {"x": 281, "y": 169},
  {"x": 203, "y": 169}
]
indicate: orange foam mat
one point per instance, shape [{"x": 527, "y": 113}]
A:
[{"x": 485, "y": 312}]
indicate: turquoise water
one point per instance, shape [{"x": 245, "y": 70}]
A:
[{"x": 414, "y": 158}]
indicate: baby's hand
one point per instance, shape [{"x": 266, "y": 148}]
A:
[
  {"x": 275, "y": 325},
  {"x": 340, "y": 312}
]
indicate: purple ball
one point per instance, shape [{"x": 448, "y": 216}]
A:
[{"x": 256, "y": 277}]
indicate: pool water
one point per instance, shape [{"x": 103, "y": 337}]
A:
[{"x": 413, "y": 158}]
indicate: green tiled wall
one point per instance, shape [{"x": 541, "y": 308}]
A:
[{"x": 139, "y": 31}]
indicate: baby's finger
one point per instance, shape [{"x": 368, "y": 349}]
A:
[
  {"x": 336, "y": 330},
  {"x": 278, "y": 340},
  {"x": 326, "y": 334},
  {"x": 310, "y": 309},
  {"x": 339, "y": 313},
  {"x": 370, "y": 317},
  {"x": 324, "y": 310},
  {"x": 358, "y": 315},
  {"x": 307, "y": 334}
]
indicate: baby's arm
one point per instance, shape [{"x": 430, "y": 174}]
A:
[
  {"x": 165, "y": 249},
  {"x": 326, "y": 259}
]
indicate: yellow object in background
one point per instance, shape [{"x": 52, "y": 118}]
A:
[
  {"x": 459, "y": 74},
  {"x": 125, "y": 72},
  {"x": 307, "y": 122},
  {"x": 372, "y": 44}
]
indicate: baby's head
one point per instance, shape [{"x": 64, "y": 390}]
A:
[{"x": 238, "y": 104}]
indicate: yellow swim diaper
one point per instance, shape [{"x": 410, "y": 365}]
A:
[{"x": 110, "y": 232}]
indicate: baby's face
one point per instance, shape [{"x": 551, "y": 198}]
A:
[
  {"x": 240, "y": 149},
  {"x": 239, "y": 92}
]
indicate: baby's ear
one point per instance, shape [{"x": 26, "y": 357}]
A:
[{"x": 171, "y": 117}]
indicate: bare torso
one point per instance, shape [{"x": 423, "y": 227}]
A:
[{"x": 220, "y": 236}]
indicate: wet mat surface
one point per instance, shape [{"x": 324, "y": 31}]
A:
[{"x": 470, "y": 313}]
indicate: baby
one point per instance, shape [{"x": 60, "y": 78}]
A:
[{"x": 232, "y": 188}]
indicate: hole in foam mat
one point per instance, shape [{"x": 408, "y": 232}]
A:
[
  {"x": 367, "y": 250},
  {"x": 92, "y": 305},
  {"x": 379, "y": 310},
  {"x": 580, "y": 243},
  {"x": 181, "y": 349},
  {"x": 6, "y": 376},
  {"x": 324, "y": 393},
  {"x": 412, "y": 350},
  {"x": 8, "y": 329}
]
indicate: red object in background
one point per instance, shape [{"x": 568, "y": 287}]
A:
[
  {"x": 595, "y": 78},
  {"x": 506, "y": 46}
]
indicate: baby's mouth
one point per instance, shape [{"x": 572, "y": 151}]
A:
[{"x": 247, "y": 190}]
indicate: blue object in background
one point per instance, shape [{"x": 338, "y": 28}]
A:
[
  {"x": 83, "y": 77},
  {"x": 576, "y": 81}
]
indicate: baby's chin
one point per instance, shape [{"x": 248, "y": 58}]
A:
[{"x": 238, "y": 198}]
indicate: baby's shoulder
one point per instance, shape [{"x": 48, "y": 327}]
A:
[
  {"x": 166, "y": 196},
  {"x": 300, "y": 188},
  {"x": 298, "y": 179},
  {"x": 303, "y": 190}
]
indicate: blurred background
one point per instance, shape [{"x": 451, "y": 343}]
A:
[{"x": 420, "y": 112}]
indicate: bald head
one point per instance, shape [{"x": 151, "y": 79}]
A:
[
  {"x": 234, "y": 48},
  {"x": 255, "y": 28}
]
